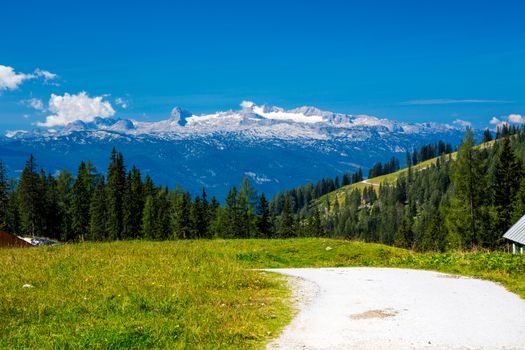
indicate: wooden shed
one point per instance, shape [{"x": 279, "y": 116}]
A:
[
  {"x": 516, "y": 236},
  {"x": 8, "y": 240}
]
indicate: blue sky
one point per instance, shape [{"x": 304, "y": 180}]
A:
[{"x": 406, "y": 60}]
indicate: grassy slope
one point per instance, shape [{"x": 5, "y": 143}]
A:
[
  {"x": 196, "y": 294},
  {"x": 136, "y": 295},
  {"x": 384, "y": 179}
]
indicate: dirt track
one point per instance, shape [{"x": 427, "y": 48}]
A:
[{"x": 379, "y": 308}]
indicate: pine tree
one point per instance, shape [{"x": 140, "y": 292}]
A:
[
  {"x": 12, "y": 211},
  {"x": 508, "y": 173},
  {"x": 115, "y": 189},
  {"x": 133, "y": 204},
  {"x": 404, "y": 235},
  {"x": 408, "y": 160},
  {"x": 64, "y": 204},
  {"x": 469, "y": 180},
  {"x": 148, "y": 188},
  {"x": 229, "y": 215},
  {"x": 29, "y": 198},
  {"x": 346, "y": 179},
  {"x": 206, "y": 215},
  {"x": 487, "y": 136},
  {"x": 434, "y": 236},
  {"x": 317, "y": 225},
  {"x": 286, "y": 224},
  {"x": 264, "y": 225},
  {"x": 81, "y": 202},
  {"x": 51, "y": 210},
  {"x": 414, "y": 158},
  {"x": 97, "y": 211},
  {"x": 183, "y": 225},
  {"x": 215, "y": 227},
  {"x": 200, "y": 217},
  {"x": 163, "y": 222},
  {"x": 148, "y": 218},
  {"x": 4, "y": 197}
]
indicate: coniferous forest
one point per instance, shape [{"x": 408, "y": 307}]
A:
[
  {"x": 460, "y": 202},
  {"x": 125, "y": 205}
]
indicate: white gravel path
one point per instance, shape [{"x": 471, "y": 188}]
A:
[{"x": 380, "y": 308}]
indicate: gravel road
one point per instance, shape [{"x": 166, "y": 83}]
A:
[{"x": 381, "y": 308}]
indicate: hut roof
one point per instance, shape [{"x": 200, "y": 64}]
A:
[{"x": 517, "y": 232}]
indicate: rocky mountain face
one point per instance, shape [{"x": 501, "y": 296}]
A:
[{"x": 275, "y": 148}]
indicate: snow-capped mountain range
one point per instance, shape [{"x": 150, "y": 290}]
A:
[{"x": 276, "y": 148}]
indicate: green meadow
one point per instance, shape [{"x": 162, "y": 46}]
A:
[{"x": 187, "y": 294}]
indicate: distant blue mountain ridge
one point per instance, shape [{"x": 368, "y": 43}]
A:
[{"x": 275, "y": 148}]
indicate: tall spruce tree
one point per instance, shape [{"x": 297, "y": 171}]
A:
[
  {"x": 148, "y": 218},
  {"x": 133, "y": 204},
  {"x": 466, "y": 212},
  {"x": 115, "y": 189},
  {"x": 317, "y": 225},
  {"x": 200, "y": 217},
  {"x": 52, "y": 212},
  {"x": 97, "y": 211},
  {"x": 29, "y": 199},
  {"x": 64, "y": 204},
  {"x": 182, "y": 220},
  {"x": 4, "y": 197},
  {"x": 487, "y": 135},
  {"x": 286, "y": 223},
  {"x": 508, "y": 173},
  {"x": 163, "y": 223},
  {"x": 81, "y": 203},
  {"x": 246, "y": 202},
  {"x": 264, "y": 226},
  {"x": 229, "y": 215},
  {"x": 12, "y": 210}
]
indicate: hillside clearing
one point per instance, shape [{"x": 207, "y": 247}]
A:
[{"x": 388, "y": 179}]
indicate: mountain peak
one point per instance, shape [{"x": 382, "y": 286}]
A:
[
  {"x": 179, "y": 116},
  {"x": 308, "y": 110}
]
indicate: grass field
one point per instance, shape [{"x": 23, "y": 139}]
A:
[{"x": 186, "y": 294}]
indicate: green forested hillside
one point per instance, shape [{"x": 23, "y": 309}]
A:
[{"x": 465, "y": 199}]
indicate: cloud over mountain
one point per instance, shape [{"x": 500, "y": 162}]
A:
[
  {"x": 70, "y": 107},
  {"x": 516, "y": 118}
]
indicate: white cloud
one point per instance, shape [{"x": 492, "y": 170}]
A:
[
  {"x": 69, "y": 108},
  {"x": 47, "y": 75},
  {"x": 35, "y": 103},
  {"x": 516, "y": 118},
  {"x": 494, "y": 121},
  {"x": 247, "y": 104},
  {"x": 122, "y": 102},
  {"x": 10, "y": 80},
  {"x": 462, "y": 123}
]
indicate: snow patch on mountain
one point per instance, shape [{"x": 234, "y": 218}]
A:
[{"x": 257, "y": 178}]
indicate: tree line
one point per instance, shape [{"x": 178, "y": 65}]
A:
[{"x": 124, "y": 205}]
